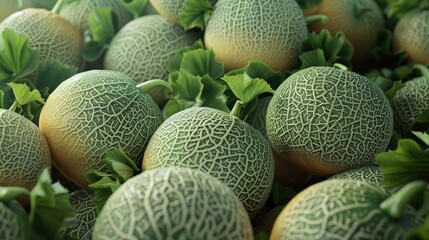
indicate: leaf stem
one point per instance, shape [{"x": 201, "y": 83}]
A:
[
  {"x": 316, "y": 18},
  {"x": 341, "y": 66},
  {"x": 14, "y": 106},
  {"x": 9, "y": 193},
  {"x": 422, "y": 69},
  {"x": 20, "y": 4},
  {"x": 236, "y": 109},
  {"x": 145, "y": 87},
  {"x": 57, "y": 7},
  {"x": 395, "y": 205}
]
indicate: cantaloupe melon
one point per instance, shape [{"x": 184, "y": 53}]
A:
[
  {"x": 24, "y": 152},
  {"x": 11, "y": 225},
  {"x": 83, "y": 204},
  {"x": 410, "y": 102},
  {"x": 143, "y": 48},
  {"x": 341, "y": 209},
  {"x": 371, "y": 174},
  {"x": 51, "y": 35},
  {"x": 328, "y": 120},
  {"x": 170, "y": 9},
  {"x": 217, "y": 143},
  {"x": 92, "y": 113},
  {"x": 76, "y": 12},
  {"x": 270, "y": 31},
  {"x": 173, "y": 203}
]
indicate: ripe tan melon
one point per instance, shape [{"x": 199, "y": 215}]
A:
[{"x": 270, "y": 31}]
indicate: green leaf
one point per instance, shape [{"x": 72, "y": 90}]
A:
[
  {"x": 176, "y": 61},
  {"x": 419, "y": 233},
  {"x": 213, "y": 94},
  {"x": 121, "y": 164},
  {"x": 103, "y": 25},
  {"x": 171, "y": 107},
  {"x": 383, "y": 54},
  {"x": 321, "y": 49},
  {"x": 423, "y": 118},
  {"x": 195, "y": 14},
  {"x": 246, "y": 88},
  {"x": 24, "y": 95},
  {"x": 8, "y": 194},
  {"x": 51, "y": 73},
  {"x": 398, "y": 8},
  {"x": 307, "y": 4},
  {"x": 424, "y": 137},
  {"x": 135, "y": 7},
  {"x": 407, "y": 163},
  {"x": 397, "y": 85},
  {"x": 17, "y": 59},
  {"x": 200, "y": 62},
  {"x": 51, "y": 211}
]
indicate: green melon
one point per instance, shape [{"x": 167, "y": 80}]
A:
[
  {"x": 94, "y": 112},
  {"x": 143, "y": 48},
  {"x": 24, "y": 152},
  {"x": 83, "y": 203},
  {"x": 76, "y": 12},
  {"x": 270, "y": 31},
  {"x": 341, "y": 209},
  {"x": 410, "y": 35},
  {"x": 410, "y": 102},
  {"x": 170, "y": 9},
  {"x": 219, "y": 144},
  {"x": 51, "y": 35},
  {"x": 371, "y": 174},
  {"x": 12, "y": 226},
  {"x": 327, "y": 120},
  {"x": 173, "y": 203}
]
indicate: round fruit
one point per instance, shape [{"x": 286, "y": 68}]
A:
[
  {"x": 219, "y": 144},
  {"x": 94, "y": 112},
  {"x": 410, "y": 102},
  {"x": 360, "y": 21},
  {"x": 270, "y": 31},
  {"x": 410, "y": 35},
  {"x": 371, "y": 174},
  {"x": 170, "y": 9},
  {"x": 24, "y": 152},
  {"x": 173, "y": 203},
  {"x": 83, "y": 204},
  {"x": 143, "y": 48},
  {"x": 341, "y": 209},
  {"x": 76, "y": 12},
  {"x": 51, "y": 35},
  {"x": 327, "y": 120},
  {"x": 12, "y": 225}
]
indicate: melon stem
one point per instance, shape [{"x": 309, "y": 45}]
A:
[
  {"x": 145, "y": 87},
  {"x": 395, "y": 205},
  {"x": 316, "y": 18},
  {"x": 20, "y": 4},
  {"x": 7, "y": 194},
  {"x": 236, "y": 110},
  {"x": 14, "y": 106},
  {"x": 56, "y": 9},
  {"x": 422, "y": 69},
  {"x": 341, "y": 66}
]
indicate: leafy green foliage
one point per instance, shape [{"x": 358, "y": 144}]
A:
[
  {"x": 120, "y": 168},
  {"x": 398, "y": 8},
  {"x": 324, "y": 50},
  {"x": 50, "y": 74},
  {"x": 307, "y": 4},
  {"x": 175, "y": 63},
  {"x": 135, "y": 7},
  {"x": 195, "y": 14},
  {"x": 420, "y": 233},
  {"x": 383, "y": 55},
  {"x": 103, "y": 25},
  {"x": 407, "y": 163},
  {"x": 201, "y": 62}
]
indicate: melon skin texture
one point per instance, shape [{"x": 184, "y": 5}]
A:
[
  {"x": 83, "y": 203},
  {"x": 11, "y": 225},
  {"x": 51, "y": 35},
  {"x": 219, "y": 144},
  {"x": 173, "y": 203},
  {"x": 24, "y": 152},
  {"x": 143, "y": 48},
  {"x": 371, "y": 174},
  {"x": 410, "y": 102},
  {"x": 269, "y": 31},
  {"x": 326, "y": 120},
  {"x": 341, "y": 209},
  {"x": 94, "y": 112},
  {"x": 410, "y": 35},
  {"x": 170, "y": 9},
  {"x": 77, "y": 12}
]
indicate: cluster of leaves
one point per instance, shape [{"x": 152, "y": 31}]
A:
[
  {"x": 19, "y": 64},
  {"x": 50, "y": 210}
]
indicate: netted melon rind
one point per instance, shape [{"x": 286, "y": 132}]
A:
[
  {"x": 77, "y": 12},
  {"x": 24, "y": 152},
  {"x": 219, "y": 144},
  {"x": 83, "y": 203},
  {"x": 143, "y": 48},
  {"x": 51, "y": 35},
  {"x": 410, "y": 102},
  {"x": 371, "y": 174},
  {"x": 11, "y": 227},
  {"x": 269, "y": 31},
  {"x": 170, "y": 9},
  {"x": 337, "y": 117},
  {"x": 173, "y": 203},
  {"x": 341, "y": 209},
  {"x": 94, "y": 112}
]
